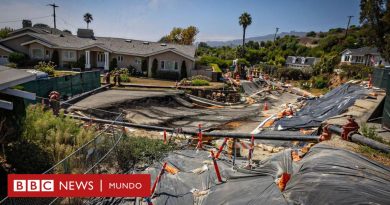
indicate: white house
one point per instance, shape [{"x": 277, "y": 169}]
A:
[{"x": 365, "y": 56}]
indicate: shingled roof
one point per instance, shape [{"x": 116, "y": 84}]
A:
[
  {"x": 115, "y": 45},
  {"x": 362, "y": 51}
]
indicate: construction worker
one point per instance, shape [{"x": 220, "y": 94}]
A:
[{"x": 54, "y": 101}]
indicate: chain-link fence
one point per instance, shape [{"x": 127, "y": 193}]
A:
[{"x": 97, "y": 156}]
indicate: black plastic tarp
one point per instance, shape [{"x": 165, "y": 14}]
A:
[
  {"x": 325, "y": 175},
  {"x": 317, "y": 110}
]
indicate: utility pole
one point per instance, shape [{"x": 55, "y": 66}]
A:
[
  {"x": 277, "y": 29},
  {"x": 54, "y": 13},
  {"x": 349, "y": 21}
]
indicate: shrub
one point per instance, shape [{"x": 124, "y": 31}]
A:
[
  {"x": 169, "y": 75},
  {"x": 55, "y": 57},
  {"x": 124, "y": 78},
  {"x": 80, "y": 63},
  {"x": 320, "y": 82},
  {"x": 356, "y": 71},
  {"x": 28, "y": 157},
  {"x": 154, "y": 68},
  {"x": 200, "y": 77},
  {"x": 140, "y": 150},
  {"x": 113, "y": 64},
  {"x": 58, "y": 135},
  {"x": 183, "y": 70},
  {"x": 199, "y": 82},
  {"x": 18, "y": 58},
  {"x": 11, "y": 65},
  {"x": 45, "y": 67}
]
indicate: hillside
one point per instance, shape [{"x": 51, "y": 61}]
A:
[{"x": 268, "y": 37}]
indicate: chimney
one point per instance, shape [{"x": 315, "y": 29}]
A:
[
  {"x": 26, "y": 23},
  {"x": 85, "y": 33}
]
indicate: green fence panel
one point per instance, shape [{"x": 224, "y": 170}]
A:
[
  {"x": 67, "y": 86},
  {"x": 386, "y": 109},
  {"x": 380, "y": 77}
]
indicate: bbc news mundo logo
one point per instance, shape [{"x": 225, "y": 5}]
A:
[{"x": 79, "y": 185}]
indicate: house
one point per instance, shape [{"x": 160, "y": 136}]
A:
[
  {"x": 366, "y": 56},
  {"x": 299, "y": 62},
  {"x": 98, "y": 52}
]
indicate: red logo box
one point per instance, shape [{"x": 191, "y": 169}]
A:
[{"x": 79, "y": 185}]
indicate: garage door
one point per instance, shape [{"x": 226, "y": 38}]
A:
[{"x": 3, "y": 60}]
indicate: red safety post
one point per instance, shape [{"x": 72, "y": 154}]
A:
[
  {"x": 165, "y": 136},
  {"x": 157, "y": 179},
  {"x": 221, "y": 148},
  {"x": 200, "y": 137},
  {"x": 265, "y": 108},
  {"x": 216, "y": 167},
  {"x": 349, "y": 128}
]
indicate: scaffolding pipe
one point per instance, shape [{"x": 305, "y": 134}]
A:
[
  {"x": 358, "y": 138},
  {"x": 260, "y": 136}
]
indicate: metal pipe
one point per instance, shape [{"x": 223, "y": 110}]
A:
[
  {"x": 260, "y": 136},
  {"x": 357, "y": 138}
]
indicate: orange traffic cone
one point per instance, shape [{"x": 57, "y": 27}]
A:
[{"x": 265, "y": 106}]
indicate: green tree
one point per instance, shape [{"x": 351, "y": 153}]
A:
[
  {"x": 375, "y": 14},
  {"x": 311, "y": 34},
  {"x": 17, "y": 58},
  {"x": 183, "y": 71},
  {"x": 184, "y": 36},
  {"x": 244, "y": 20},
  {"x": 4, "y": 32},
  {"x": 154, "y": 68},
  {"x": 88, "y": 19},
  {"x": 41, "y": 25}
]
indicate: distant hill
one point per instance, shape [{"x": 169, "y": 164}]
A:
[{"x": 258, "y": 38}]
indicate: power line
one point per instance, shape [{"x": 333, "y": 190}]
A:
[{"x": 12, "y": 21}]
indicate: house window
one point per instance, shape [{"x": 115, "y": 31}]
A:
[
  {"x": 69, "y": 55},
  {"x": 346, "y": 58},
  {"x": 162, "y": 65},
  {"x": 120, "y": 58},
  {"x": 176, "y": 66},
  {"x": 137, "y": 61},
  {"x": 37, "y": 53}
]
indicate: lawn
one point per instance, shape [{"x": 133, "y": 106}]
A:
[{"x": 159, "y": 82}]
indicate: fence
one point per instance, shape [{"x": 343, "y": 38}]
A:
[
  {"x": 67, "y": 86},
  {"x": 386, "y": 108},
  {"x": 380, "y": 77}
]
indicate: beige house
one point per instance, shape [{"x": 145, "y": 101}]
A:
[{"x": 98, "y": 52}]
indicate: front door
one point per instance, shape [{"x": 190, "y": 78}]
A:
[{"x": 100, "y": 60}]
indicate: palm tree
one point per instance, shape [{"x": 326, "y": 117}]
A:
[
  {"x": 88, "y": 19},
  {"x": 244, "y": 20}
]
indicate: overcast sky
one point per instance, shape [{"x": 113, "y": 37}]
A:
[{"x": 151, "y": 19}]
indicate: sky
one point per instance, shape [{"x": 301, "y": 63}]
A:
[{"x": 152, "y": 19}]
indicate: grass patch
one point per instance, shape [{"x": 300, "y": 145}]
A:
[
  {"x": 199, "y": 82},
  {"x": 370, "y": 132},
  {"x": 375, "y": 154}
]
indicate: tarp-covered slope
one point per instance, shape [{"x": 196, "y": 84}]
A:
[
  {"x": 316, "y": 111},
  {"x": 325, "y": 175}
]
